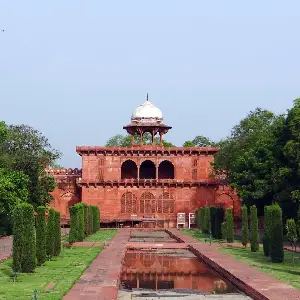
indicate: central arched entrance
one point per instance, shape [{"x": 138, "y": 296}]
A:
[{"x": 147, "y": 170}]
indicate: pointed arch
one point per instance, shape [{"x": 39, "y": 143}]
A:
[
  {"x": 147, "y": 170},
  {"x": 129, "y": 170},
  {"x": 166, "y": 170}
]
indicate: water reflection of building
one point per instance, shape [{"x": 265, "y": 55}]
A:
[{"x": 153, "y": 271}]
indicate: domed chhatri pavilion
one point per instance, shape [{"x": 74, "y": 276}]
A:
[{"x": 142, "y": 185}]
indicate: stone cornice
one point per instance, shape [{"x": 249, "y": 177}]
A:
[
  {"x": 138, "y": 150},
  {"x": 148, "y": 183}
]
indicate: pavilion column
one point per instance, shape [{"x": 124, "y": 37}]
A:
[
  {"x": 160, "y": 138},
  {"x": 153, "y": 142}
]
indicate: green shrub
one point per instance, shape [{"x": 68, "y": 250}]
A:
[
  {"x": 81, "y": 233},
  {"x": 229, "y": 225},
  {"x": 196, "y": 217},
  {"x": 206, "y": 223},
  {"x": 51, "y": 233},
  {"x": 96, "y": 218},
  {"x": 201, "y": 217},
  {"x": 29, "y": 240},
  {"x": 267, "y": 229},
  {"x": 17, "y": 238},
  {"x": 73, "y": 234},
  {"x": 245, "y": 229},
  {"x": 254, "y": 238},
  {"x": 277, "y": 254},
  {"x": 219, "y": 218},
  {"x": 213, "y": 212},
  {"x": 57, "y": 235},
  {"x": 224, "y": 230},
  {"x": 41, "y": 234},
  {"x": 292, "y": 236},
  {"x": 86, "y": 219}
]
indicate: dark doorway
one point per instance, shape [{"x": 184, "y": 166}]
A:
[
  {"x": 166, "y": 170},
  {"x": 147, "y": 170},
  {"x": 129, "y": 170}
]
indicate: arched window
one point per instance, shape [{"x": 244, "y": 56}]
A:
[
  {"x": 129, "y": 170},
  {"x": 166, "y": 170},
  {"x": 147, "y": 170},
  {"x": 147, "y": 203},
  {"x": 129, "y": 203},
  {"x": 165, "y": 204}
]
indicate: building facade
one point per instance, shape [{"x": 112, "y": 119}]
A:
[{"x": 142, "y": 184}]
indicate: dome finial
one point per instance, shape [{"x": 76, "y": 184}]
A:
[{"x": 147, "y": 97}]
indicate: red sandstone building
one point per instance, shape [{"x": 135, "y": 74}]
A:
[{"x": 142, "y": 183}]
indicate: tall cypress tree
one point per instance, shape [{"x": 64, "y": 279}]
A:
[
  {"x": 267, "y": 229},
  {"x": 57, "y": 235},
  {"x": 229, "y": 226},
  {"x": 277, "y": 254},
  {"x": 17, "y": 238},
  {"x": 74, "y": 224},
  {"x": 28, "y": 258},
  {"x": 51, "y": 233},
  {"x": 254, "y": 239},
  {"x": 41, "y": 234},
  {"x": 245, "y": 229}
]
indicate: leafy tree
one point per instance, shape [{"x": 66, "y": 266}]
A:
[
  {"x": 202, "y": 141},
  {"x": 125, "y": 141},
  {"x": 224, "y": 230},
  {"x": 41, "y": 234},
  {"x": 201, "y": 218},
  {"x": 74, "y": 224},
  {"x": 292, "y": 235},
  {"x": 247, "y": 156},
  {"x": 277, "y": 254},
  {"x": 188, "y": 144},
  {"x": 218, "y": 220},
  {"x": 30, "y": 152},
  {"x": 267, "y": 229},
  {"x": 245, "y": 229},
  {"x": 17, "y": 238},
  {"x": 229, "y": 225},
  {"x": 206, "y": 223},
  {"x": 254, "y": 238}
]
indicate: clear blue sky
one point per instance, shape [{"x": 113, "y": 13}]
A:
[{"x": 75, "y": 70}]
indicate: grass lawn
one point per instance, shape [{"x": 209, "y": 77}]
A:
[
  {"x": 52, "y": 281},
  {"x": 102, "y": 235},
  {"x": 283, "y": 271},
  {"x": 203, "y": 237}
]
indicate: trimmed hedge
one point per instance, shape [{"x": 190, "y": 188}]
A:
[
  {"x": 84, "y": 220},
  {"x": 213, "y": 212},
  {"x": 245, "y": 227},
  {"x": 224, "y": 230},
  {"x": 17, "y": 238},
  {"x": 267, "y": 230},
  {"x": 229, "y": 225},
  {"x": 41, "y": 234},
  {"x": 51, "y": 227},
  {"x": 254, "y": 238},
  {"x": 206, "y": 222},
  {"x": 277, "y": 254},
  {"x": 219, "y": 218},
  {"x": 201, "y": 218},
  {"x": 24, "y": 247},
  {"x": 57, "y": 234}
]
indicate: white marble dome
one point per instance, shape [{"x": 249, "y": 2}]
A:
[{"x": 147, "y": 113}]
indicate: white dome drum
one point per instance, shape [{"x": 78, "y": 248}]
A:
[{"x": 147, "y": 113}]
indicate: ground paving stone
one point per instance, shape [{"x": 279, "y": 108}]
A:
[
  {"x": 101, "y": 278},
  {"x": 254, "y": 282}
]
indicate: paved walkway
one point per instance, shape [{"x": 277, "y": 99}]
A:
[
  {"x": 101, "y": 279},
  {"x": 257, "y": 284}
]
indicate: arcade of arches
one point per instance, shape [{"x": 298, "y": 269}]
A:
[{"x": 147, "y": 170}]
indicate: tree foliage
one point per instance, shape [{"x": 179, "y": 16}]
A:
[
  {"x": 267, "y": 230},
  {"x": 51, "y": 229},
  {"x": 277, "y": 254},
  {"x": 200, "y": 141},
  {"x": 120, "y": 140}
]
